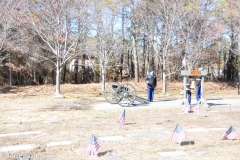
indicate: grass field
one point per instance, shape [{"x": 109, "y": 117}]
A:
[{"x": 145, "y": 135}]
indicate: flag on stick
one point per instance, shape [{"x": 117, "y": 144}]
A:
[
  {"x": 186, "y": 107},
  {"x": 122, "y": 118},
  {"x": 184, "y": 62},
  {"x": 178, "y": 134},
  {"x": 196, "y": 108},
  {"x": 230, "y": 134},
  {"x": 93, "y": 146}
]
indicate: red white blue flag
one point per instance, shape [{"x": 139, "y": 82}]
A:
[
  {"x": 93, "y": 146},
  {"x": 230, "y": 134},
  {"x": 197, "y": 108},
  {"x": 178, "y": 134},
  {"x": 122, "y": 118}
]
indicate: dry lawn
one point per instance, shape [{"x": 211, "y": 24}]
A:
[{"x": 73, "y": 119}]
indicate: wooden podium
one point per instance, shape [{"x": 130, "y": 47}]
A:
[{"x": 194, "y": 73}]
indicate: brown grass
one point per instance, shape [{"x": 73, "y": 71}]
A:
[{"x": 77, "y": 124}]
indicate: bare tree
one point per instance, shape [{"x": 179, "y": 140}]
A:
[
  {"x": 5, "y": 29},
  {"x": 165, "y": 21},
  {"x": 14, "y": 36},
  {"x": 179, "y": 27},
  {"x": 105, "y": 45},
  {"x": 54, "y": 23},
  {"x": 228, "y": 14},
  {"x": 134, "y": 32}
]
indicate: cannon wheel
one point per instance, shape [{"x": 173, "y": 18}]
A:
[
  {"x": 110, "y": 93},
  {"x": 127, "y": 93}
]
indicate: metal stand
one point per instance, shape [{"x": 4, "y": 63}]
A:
[
  {"x": 185, "y": 102},
  {"x": 202, "y": 101},
  {"x": 194, "y": 73}
]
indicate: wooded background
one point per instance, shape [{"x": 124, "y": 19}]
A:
[{"x": 85, "y": 41}]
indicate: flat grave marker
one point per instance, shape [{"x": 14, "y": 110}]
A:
[
  {"x": 200, "y": 152},
  {"x": 20, "y": 133},
  {"x": 140, "y": 134},
  {"x": 16, "y": 148},
  {"x": 113, "y": 158},
  {"x": 172, "y": 154},
  {"x": 219, "y": 149},
  {"x": 197, "y": 130},
  {"x": 218, "y": 129},
  {"x": 111, "y": 138},
  {"x": 213, "y": 111},
  {"x": 59, "y": 143}
]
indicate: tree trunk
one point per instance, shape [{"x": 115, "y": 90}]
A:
[
  {"x": 34, "y": 75},
  {"x": 164, "y": 76},
  {"x": 83, "y": 69},
  {"x": 103, "y": 72},
  {"x": 121, "y": 66},
  {"x": 58, "y": 71},
  {"x": 136, "y": 68},
  {"x": 103, "y": 78},
  {"x": 64, "y": 73},
  {"x": 147, "y": 60},
  {"x": 123, "y": 35},
  {"x": 94, "y": 76},
  {"x": 144, "y": 56},
  {"x": 129, "y": 62},
  {"x": 10, "y": 72},
  {"x": 76, "y": 71}
]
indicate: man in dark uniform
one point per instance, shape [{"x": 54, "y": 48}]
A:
[
  {"x": 198, "y": 88},
  {"x": 151, "y": 81}
]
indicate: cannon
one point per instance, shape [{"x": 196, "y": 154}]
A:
[{"x": 123, "y": 94}]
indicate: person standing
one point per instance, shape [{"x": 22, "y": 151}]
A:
[
  {"x": 198, "y": 88},
  {"x": 189, "y": 94},
  {"x": 151, "y": 81}
]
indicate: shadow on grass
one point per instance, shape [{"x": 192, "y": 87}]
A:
[
  {"x": 214, "y": 99},
  {"x": 138, "y": 105},
  {"x": 217, "y": 104},
  {"x": 184, "y": 143},
  {"x": 104, "y": 153},
  {"x": 7, "y": 89},
  {"x": 129, "y": 123},
  {"x": 166, "y": 100}
]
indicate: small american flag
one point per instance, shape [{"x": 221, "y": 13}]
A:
[
  {"x": 197, "y": 109},
  {"x": 93, "y": 146},
  {"x": 122, "y": 118},
  {"x": 230, "y": 134},
  {"x": 186, "y": 107},
  {"x": 178, "y": 134},
  {"x": 184, "y": 62}
]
